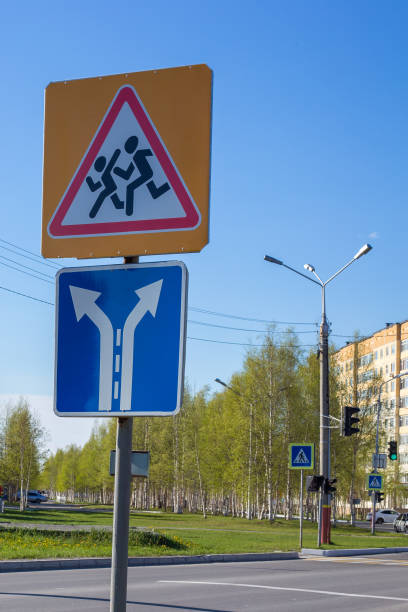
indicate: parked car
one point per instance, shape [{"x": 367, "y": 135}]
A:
[
  {"x": 34, "y": 497},
  {"x": 383, "y": 516},
  {"x": 401, "y": 523}
]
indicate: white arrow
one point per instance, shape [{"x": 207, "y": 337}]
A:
[
  {"x": 84, "y": 304},
  {"x": 148, "y": 301}
]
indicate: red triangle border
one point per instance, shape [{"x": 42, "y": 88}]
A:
[{"x": 190, "y": 221}]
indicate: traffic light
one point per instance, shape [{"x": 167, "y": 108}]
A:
[
  {"x": 379, "y": 496},
  {"x": 329, "y": 487},
  {"x": 348, "y": 420},
  {"x": 392, "y": 450},
  {"x": 313, "y": 483}
]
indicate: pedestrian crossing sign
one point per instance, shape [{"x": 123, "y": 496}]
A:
[
  {"x": 301, "y": 456},
  {"x": 138, "y": 185},
  {"x": 374, "y": 482}
]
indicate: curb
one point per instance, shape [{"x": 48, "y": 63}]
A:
[
  {"x": 88, "y": 563},
  {"x": 351, "y": 552}
]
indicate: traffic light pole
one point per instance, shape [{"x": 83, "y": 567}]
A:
[
  {"x": 373, "y": 499},
  {"x": 375, "y": 470}
]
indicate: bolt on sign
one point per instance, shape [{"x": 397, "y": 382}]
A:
[{"x": 127, "y": 164}]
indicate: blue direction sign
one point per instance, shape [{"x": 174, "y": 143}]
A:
[
  {"x": 374, "y": 482},
  {"x": 120, "y": 337},
  {"x": 301, "y": 456}
]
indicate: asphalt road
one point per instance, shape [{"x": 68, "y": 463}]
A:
[
  {"x": 381, "y": 527},
  {"x": 352, "y": 584}
]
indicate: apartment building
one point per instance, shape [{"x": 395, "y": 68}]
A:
[{"x": 384, "y": 354}]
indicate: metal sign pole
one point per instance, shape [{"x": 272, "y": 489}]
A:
[
  {"x": 373, "y": 513},
  {"x": 121, "y": 508},
  {"x": 120, "y": 535},
  {"x": 301, "y": 511},
  {"x": 319, "y": 528}
]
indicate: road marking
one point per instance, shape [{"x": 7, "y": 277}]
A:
[
  {"x": 118, "y": 335},
  {"x": 117, "y": 363},
  {"x": 364, "y": 560},
  {"x": 116, "y": 390},
  {"x": 276, "y": 588}
]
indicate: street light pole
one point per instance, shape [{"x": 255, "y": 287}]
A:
[
  {"x": 324, "y": 523},
  {"x": 324, "y": 515},
  {"x": 375, "y": 470}
]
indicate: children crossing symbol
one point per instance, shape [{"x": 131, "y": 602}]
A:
[{"x": 126, "y": 182}]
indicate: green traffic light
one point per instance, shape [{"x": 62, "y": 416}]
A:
[{"x": 392, "y": 450}]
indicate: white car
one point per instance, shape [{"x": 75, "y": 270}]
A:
[{"x": 383, "y": 516}]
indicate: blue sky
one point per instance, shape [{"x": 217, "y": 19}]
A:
[{"x": 309, "y": 160}]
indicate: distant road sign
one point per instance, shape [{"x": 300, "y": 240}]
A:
[
  {"x": 379, "y": 461},
  {"x": 126, "y": 164},
  {"x": 301, "y": 456},
  {"x": 140, "y": 461},
  {"x": 120, "y": 339},
  {"x": 374, "y": 482}
]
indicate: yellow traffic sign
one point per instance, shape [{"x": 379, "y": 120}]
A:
[{"x": 127, "y": 164}]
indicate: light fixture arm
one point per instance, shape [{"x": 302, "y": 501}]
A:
[{"x": 301, "y": 274}]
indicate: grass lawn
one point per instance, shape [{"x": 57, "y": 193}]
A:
[
  {"x": 31, "y": 544},
  {"x": 216, "y": 534}
]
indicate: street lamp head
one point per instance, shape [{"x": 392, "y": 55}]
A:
[
  {"x": 363, "y": 251},
  {"x": 221, "y": 382},
  {"x": 273, "y": 260},
  {"x": 309, "y": 267}
]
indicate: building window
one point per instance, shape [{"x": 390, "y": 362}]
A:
[
  {"x": 404, "y": 345},
  {"x": 393, "y": 385},
  {"x": 392, "y": 367},
  {"x": 365, "y": 360},
  {"x": 376, "y": 355},
  {"x": 381, "y": 353},
  {"x": 386, "y": 350},
  {"x": 392, "y": 349}
]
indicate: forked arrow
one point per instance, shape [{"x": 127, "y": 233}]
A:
[
  {"x": 148, "y": 300},
  {"x": 84, "y": 304}
]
